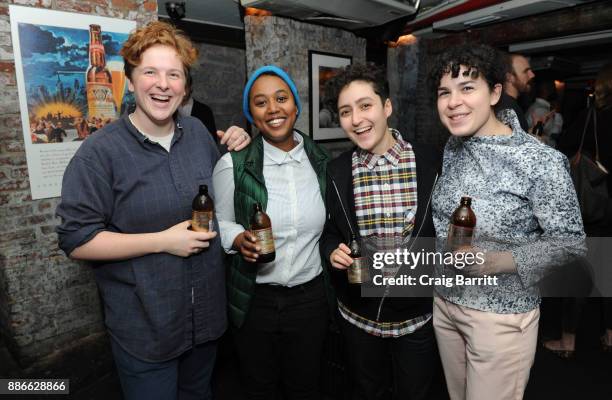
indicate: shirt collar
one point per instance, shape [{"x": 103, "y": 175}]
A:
[
  {"x": 392, "y": 155},
  {"x": 178, "y": 128},
  {"x": 277, "y": 156}
]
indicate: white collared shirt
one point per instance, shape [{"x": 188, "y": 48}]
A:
[{"x": 295, "y": 207}]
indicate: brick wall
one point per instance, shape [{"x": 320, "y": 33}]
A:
[
  {"x": 218, "y": 80},
  {"x": 285, "y": 42},
  {"x": 47, "y": 302}
]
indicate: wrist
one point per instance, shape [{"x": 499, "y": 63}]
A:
[{"x": 157, "y": 242}]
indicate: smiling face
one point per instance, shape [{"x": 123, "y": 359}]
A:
[
  {"x": 274, "y": 111},
  {"x": 158, "y": 84},
  {"x": 363, "y": 117},
  {"x": 465, "y": 105}
]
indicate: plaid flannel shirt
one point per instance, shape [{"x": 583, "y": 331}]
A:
[{"x": 385, "y": 192}]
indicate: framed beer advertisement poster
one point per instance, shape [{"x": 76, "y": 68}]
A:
[
  {"x": 324, "y": 124},
  {"x": 70, "y": 82}
]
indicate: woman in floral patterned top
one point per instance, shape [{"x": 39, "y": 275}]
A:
[{"x": 528, "y": 221}]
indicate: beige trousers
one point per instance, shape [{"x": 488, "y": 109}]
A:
[{"x": 486, "y": 356}]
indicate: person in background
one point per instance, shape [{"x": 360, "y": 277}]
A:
[
  {"x": 528, "y": 221},
  {"x": 556, "y": 122},
  {"x": 126, "y": 207},
  {"x": 278, "y": 310},
  {"x": 542, "y": 110},
  {"x": 569, "y": 143},
  {"x": 518, "y": 80},
  {"x": 199, "y": 110},
  {"x": 379, "y": 190}
]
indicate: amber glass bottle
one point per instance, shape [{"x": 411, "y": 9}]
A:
[
  {"x": 358, "y": 270},
  {"x": 98, "y": 79},
  {"x": 462, "y": 225},
  {"x": 203, "y": 210},
  {"x": 261, "y": 227}
]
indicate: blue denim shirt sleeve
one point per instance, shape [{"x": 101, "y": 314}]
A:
[{"x": 86, "y": 203}]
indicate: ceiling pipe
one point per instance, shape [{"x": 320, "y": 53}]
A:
[{"x": 461, "y": 8}]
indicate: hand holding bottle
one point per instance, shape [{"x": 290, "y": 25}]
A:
[
  {"x": 341, "y": 258},
  {"x": 181, "y": 241},
  {"x": 246, "y": 244}
]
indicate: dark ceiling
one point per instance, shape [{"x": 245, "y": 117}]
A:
[{"x": 219, "y": 22}]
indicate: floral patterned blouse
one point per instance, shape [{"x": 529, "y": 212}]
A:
[{"x": 524, "y": 202}]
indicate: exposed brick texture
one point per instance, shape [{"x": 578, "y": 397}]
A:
[{"x": 48, "y": 303}]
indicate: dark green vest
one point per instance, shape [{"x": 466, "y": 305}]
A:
[{"x": 250, "y": 187}]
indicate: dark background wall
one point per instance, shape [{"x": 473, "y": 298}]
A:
[
  {"x": 408, "y": 64},
  {"x": 219, "y": 77}
]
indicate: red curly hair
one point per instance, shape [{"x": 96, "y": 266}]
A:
[{"x": 157, "y": 33}]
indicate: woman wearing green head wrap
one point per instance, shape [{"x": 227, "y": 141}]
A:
[{"x": 278, "y": 309}]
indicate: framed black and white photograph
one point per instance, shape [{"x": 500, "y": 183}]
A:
[{"x": 324, "y": 123}]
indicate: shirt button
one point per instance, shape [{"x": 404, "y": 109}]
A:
[{"x": 388, "y": 215}]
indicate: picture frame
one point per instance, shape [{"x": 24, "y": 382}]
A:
[
  {"x": 59, "y": 107},
  {"x": 324, "y": 124}
]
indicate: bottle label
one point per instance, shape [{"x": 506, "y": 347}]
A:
[
  {"x": 459, "y": 236},
  {"x": 100, "y": 100},
  {"x": 265, "y": 240},
  {"x": 358, "y": 271},
  {"x": 202, "y": 221}
]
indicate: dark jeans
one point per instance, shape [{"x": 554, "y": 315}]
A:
[
  {"x": 409, "y": 363},
  {"x": 186, "y": 377},
  {"x": 281, "y": 341}
]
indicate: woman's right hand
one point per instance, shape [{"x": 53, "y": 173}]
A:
[
  {"x": 340, "y": 258},
  {"x": 180, "y": 241},
  {"x": 246, "y": 244}
]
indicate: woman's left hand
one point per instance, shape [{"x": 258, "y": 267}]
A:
[
  {"x": 235, "y": 138},
  {"x": 485, "y": 262}
]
